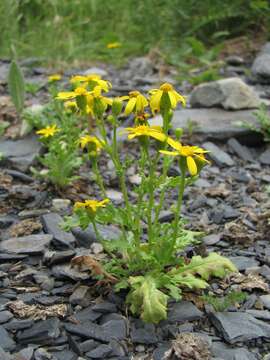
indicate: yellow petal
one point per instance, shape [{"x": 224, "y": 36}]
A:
[
  {"x": 130, "y": 105},
  {"x": 171, "y": 153},
  {"x": 65, "y": 95},
  {"x": 172, "y": 98},
  {"x": 174, "y": 144},
  {"x": 179, "y": 97},
  {"x": 158, "y": 136},
  {"x": 191, "y": 164},
  {"x": 155, "y": 100}
]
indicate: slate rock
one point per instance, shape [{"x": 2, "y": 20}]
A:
[
  {"x": 88, "y": 330},
  {"x": 81, "y": 296},
  {"x": 51, "y": 223},
  {"x": 100, "y": 352},
  {"x": 4, "y": 355},
  {"x": 265, "y": 157},
  {"x": 183, "y": 311},
  {"x": 58, "y": 257},
  {"x": 5, "y": 316},
  {"x": 66, "y": 271},
  {"x": 239, "y": 327},
  {"x": 212, "y": 239},
  {"x": 87, "y": 237},
  {"x": 6, "y": 341},
  {"x": 144, "y": 334},
  {"x": 87, "y": 314},
  {"x": 15, "y": 325},
  {"x": 105, "y": 307},
  {"x": 43, "y": 332},
  {"x": 21, "y": 153},
  {"x": 217, "y": 154},
  {"x": 265, "y": 299},
  {"x": 159, "y": 352},
  {"x": 215, "y": 124},
  {"x": 116, "y": 329},
  {"x": 31, "y": 244},
  {"x": 226, "y": 352},
  {"x": 259, "y": 314},
  {"x": 25, "y": 354},
  {"x": 241, "y": 151},
  {"x": 88, "y": 345},
  {"x": 243, "y": 262},
  {"x": 230, "y": 94},
  {"x": 64, "y": 355},
  {"x": 261, "y": 68}
]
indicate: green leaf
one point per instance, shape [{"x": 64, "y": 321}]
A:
[
  {"x": 212, "y": 265},
  {"x": 16, "y": 86},
  {"x": 145, "y": 299}
]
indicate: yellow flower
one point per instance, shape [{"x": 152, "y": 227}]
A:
[
  {"x": 136, "y": 102},
  {"x": 93, "y": 80},
  {"x": 191, "y": 153},
  {"x": 48, "y": 131},
  {"x": 114, "y": 45},
  {"x": 144, "y": 130},
  {"x": 165, "y": 96},
  {"x": 87, "y": 139},
  {"x": 91, "y": 205},
  {"x": 54, "y": 77},
  {"x": 68, "y": 95}
]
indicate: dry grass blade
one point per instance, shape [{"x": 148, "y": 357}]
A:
[
  {"x": 37, "y": 312},
  {"x": 87, "y": 262}
]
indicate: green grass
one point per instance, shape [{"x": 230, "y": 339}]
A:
[{"x": 65, "y": 30}]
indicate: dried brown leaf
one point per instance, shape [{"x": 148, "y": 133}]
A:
[
  {"x": 188, "y": 346},
  {"x": 25, "y": 227},
  {"x": 249, "y": 282},
  {"x": 87, "y": 262},
  {"x": 219, "y": 191},
  {"x": 37, "y": 312}
]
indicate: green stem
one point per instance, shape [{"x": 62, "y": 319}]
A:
[
  {"x": 99, "y": 178},
  {"x": 99, "y": 237}
]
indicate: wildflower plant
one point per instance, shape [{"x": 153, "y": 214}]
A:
[{"x": 147, "y": 260}]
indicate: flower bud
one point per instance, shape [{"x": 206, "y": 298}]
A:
[
  {"x": 178, "y": 133},
  {"x": 117, "y": 106}
]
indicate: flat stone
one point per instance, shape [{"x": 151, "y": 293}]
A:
[
  {"x": 21, "y": 153},
  {"x": 4, "y": 355},
  {"x": 216, "y": 124},
  {"x": 87, "y": 237},
  {"x": 144, "y": 335},
  {"x": 261, "y": 68},
  {"x": 239, "y": 327},
  {"x": 65, "y": 355},
  {"x": 265, "y": 157},
  {"x": 31, "y": 244},
  {"x": 61, "y": 204},
  {"x": 88, "y": 345},
  {"x": 230, "y": 94},
  {"x": 87, "y": 314},
  {"x": 5, "y": 316},
  {"x": 116, "y": 329},
  {"x": 218, "y": 155},
  {"x": 81, "y": 296},
  {"x": 105, "y": 307},
  {"x": 88, "y": 330},
  {"x": 259, "y": 314},
  {"x": 58, "y": 257},
  {"x": 66, "y": 271},
  {"x": 183, "y": 311},
  {"x": 241, "y": 151},
  {"x": 265, "y": 299},
  {"x": 243, "y": 262},
  {"x": 25, "y": 354},
  {"x": 226, "y": 352},
  {"x": 43, "y": 332},
  {"x": 6, "y": 341},
  {"x": 211, "y": 239},
  {"x": 51, "y": 223},
  {"x": 16, "y": 325},
  {"x": 100, "y": 352}
]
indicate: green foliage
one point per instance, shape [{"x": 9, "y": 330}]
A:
[
  {"x": 81, "y": 29},
  {"x": 3, "y": 126},
  {"x": 16, "y": 86},
  {"x": 223, "y": 303},
  {"x": 263, "y": 119},
  {"x": 206, "y": 76},
  {"x": 32, "y": 88}
]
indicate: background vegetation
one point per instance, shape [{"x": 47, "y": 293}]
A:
[{"x": 80, "y": 29}]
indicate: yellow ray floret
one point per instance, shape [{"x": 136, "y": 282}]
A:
[
  {"x": 48, "y": 131},
  {"x": 165, "y": 91},
  {"x": 144, "y": 130},
  {"x": 54, "y": 77},
  {"x": 88, "y": 139},
  {"x": 136, "y": 102},
  {"x": 69, "y": 95},
  {"x": 92, "y": 205}
]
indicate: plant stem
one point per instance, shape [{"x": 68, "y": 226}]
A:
[
  {"x": 99, "y": 237},
  {"x": 99, "y": 177}
]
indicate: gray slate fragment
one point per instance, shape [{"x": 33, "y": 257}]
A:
[
  {"x": 31, "y": 244},
  {"x": 224, "y": 352},
  {"x": 51, "y": 223},
  {"x": 236, "y": 327},
  {"x": 265, "y": 299},
  {"x": 183, "y": 311},
  {"x": 21, "y": 153},
  {"x": 265, "y": 157},
  {"x": 4, "y": 355},
  {"x": 66, "y": 271},
  {"x": 261, "y": 68},
  {"x": 240, "y": 150},
  {"x": 259, "y": 314},
  {"x": 100, "y": 352},
  {"x": 89, "y": 331},
  {"x": 243, "y": 262},
  {"x": 81, "y": 296},
  {"x": 218, "y": 155},
  {"x": 116, "y": 329},
  {"x": 6, "y": 341},
  {"x": 5, "y": 316},
  {"x": 87, "y": 237},
  {"x": 43, "y": 332}
]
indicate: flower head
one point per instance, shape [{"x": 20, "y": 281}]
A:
[
  {"x": 91, "y": 205},
  {"x": 95, "y": 144},
  {"x": 68, "y": 95},
  {"x": 92, "y": 80},
  {"x": 48, "y": 131},
  {"x": 193, "y": 155},
  {"x": 136, "y": 102},
  {"x": 113, "y": 45},
  {"x": 165, "y": 97},
  {"x": 54, "y": 77},
  {"x": 145, "y": 130}
]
